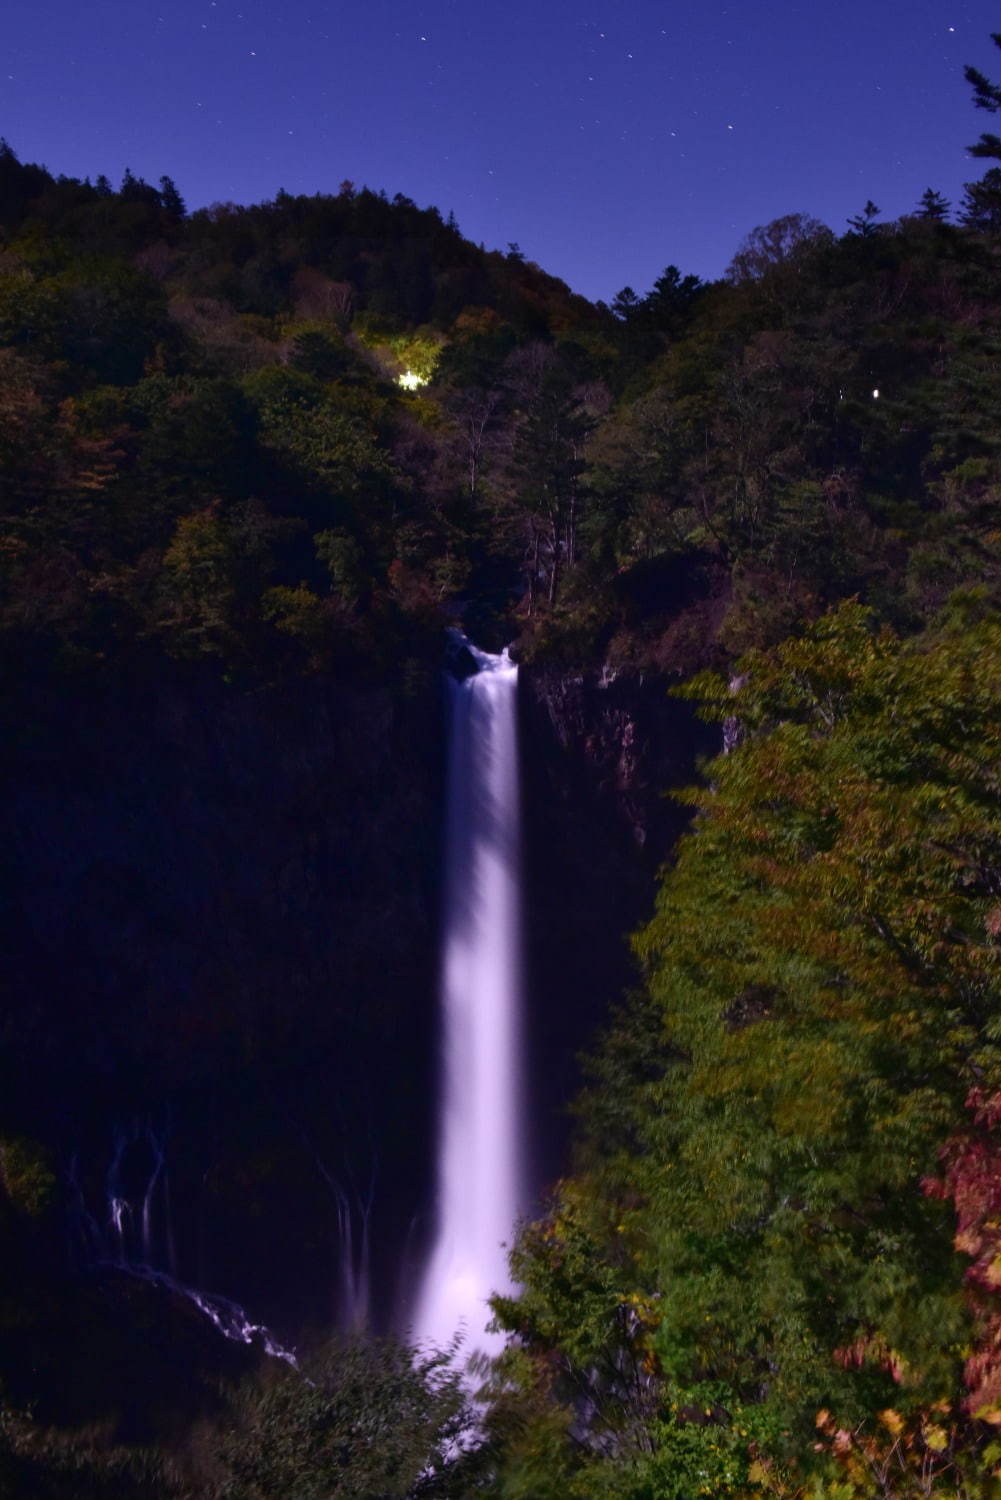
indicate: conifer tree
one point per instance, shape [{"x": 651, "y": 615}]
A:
[
  {"x": 933, "y": 205},
  {"x": 865, "y": 222},
  {"x": 981, "y": 206},
  {"x": 986, "y": 95},
  {"x": 171, "y": 199}
]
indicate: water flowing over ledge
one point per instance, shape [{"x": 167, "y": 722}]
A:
[{"x": 480, "y": 1150}]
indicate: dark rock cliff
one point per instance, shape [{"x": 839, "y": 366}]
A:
[
  {"x": 219, "y": 938},
  {"x": 600, "y": 752}
]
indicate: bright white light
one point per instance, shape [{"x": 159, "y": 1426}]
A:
[
  {"x": 875, "y": 395},
  {"x": 410, "y": 381}
]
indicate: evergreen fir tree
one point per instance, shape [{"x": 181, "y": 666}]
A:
[
  {"x": 865, "y": 222},
  {"x": 934, "y": 206},
  {"x": 171, "y": 199},
  {"x": 981, "y": 205},
  {"x": 986, "y": 95}
]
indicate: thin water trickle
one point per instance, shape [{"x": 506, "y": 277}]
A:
[
  {"x": 479, "y": 1150},
  {"x": 136, "y": 1235}
]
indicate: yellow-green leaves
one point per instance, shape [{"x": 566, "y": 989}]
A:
[
  {"x": 26, "y": 1176},
  {"x": 821, "y": 995}
]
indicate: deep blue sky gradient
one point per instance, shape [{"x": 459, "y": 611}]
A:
[{"x": 606, "y": 139}]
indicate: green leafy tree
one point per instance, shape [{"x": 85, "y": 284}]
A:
[
  {"x": 783, "y": 242},
  {"x": 822, "y": 997},
  {"x": 359, "y": 1422},
  {"x": 554, "y": 419},
  {"x": 316, "y": 353}
]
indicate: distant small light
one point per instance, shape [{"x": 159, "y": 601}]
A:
[
  {"x": 875, "y": 395},
  {"x": 410, "y": 381}
]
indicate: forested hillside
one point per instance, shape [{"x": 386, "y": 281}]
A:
[
  {"x": 257, "y": 445},
  {"x": 775, "y": 1270},
  {"x": 208, "y": 452}
]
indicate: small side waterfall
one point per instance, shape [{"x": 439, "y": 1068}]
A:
[
  {"x": 134, "y": 1235},
  {"x": 479, "y": 1153}
]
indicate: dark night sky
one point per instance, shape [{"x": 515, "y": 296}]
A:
[{"x": 606, "y": 139}]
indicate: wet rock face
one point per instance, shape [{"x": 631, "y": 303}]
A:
[
  {"x": 599, "y": 752},
  {"x": 615, "y": 742}
]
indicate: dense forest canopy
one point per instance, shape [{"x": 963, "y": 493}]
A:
[
  {"x": 756, "y": 1271},
  {"x": 208, "y": 452},
  {"x": 302, "y": 437}
]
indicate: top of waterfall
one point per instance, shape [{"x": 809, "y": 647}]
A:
[
  {"x": 485, "y": 660},
  {"x": 487, "y": 663}
]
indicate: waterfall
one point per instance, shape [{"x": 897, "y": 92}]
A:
[{"x": 479, "y": 1150}]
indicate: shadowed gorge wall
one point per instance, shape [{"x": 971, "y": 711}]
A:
[
  {"x": 601, "y": 752},
  {"x": 221, "y": 920}
]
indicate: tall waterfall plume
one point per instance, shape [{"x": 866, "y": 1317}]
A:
[{"x": 480, "y": 1188}]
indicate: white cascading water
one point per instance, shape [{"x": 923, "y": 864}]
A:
[{"x": 479, "y": 1152}]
